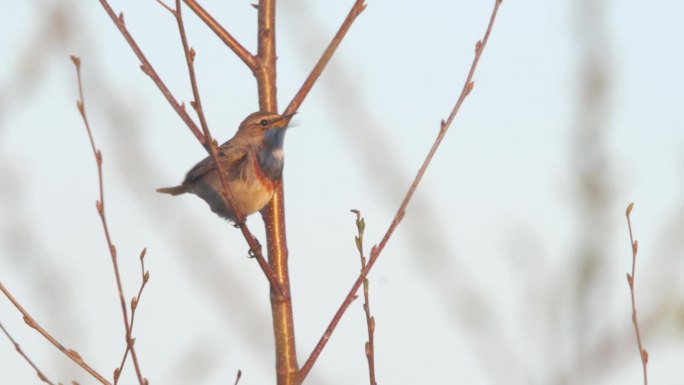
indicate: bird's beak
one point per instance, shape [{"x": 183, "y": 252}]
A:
[{"x": 285, "y": 120}]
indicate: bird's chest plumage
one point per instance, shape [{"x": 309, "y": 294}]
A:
[
  {"x": 252, "y": 183},
  {"x": 252, "y": 188}
]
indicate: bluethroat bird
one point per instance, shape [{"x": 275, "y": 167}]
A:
[{"x": 252, "y": 161}]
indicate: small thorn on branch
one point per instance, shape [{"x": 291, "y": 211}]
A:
[{"x": 121, "y": 19}]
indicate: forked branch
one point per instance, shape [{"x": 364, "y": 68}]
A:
[
  {"x": 100, "y": 205},
  {"x": 150, "y": 71},
  {"x": 223, "y": 34}
]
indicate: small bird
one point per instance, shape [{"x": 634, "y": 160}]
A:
[{"x": 252, "y": 162}]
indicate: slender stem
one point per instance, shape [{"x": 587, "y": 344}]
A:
[
  {"x": 297, "y": 100},
  {"x": 369, "y": 347},
  {"x": 145, "y": 276},
  {"x": 376, "y": 250},
  {"x": 224, "y": 35},
  {"x": 17, "y": 347},
  {"x": 72, "y": 354},
  {"x": 634, "y": 245},
  {"x": 103, "y": 219}
]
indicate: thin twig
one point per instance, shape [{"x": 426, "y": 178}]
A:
[
  {"x": 72, "y": 354},
  {"x": 297, "y": 100},
  {"x": 17, "y": 347},
  {"x": 634, "y": 245},
  {"x": 369, "y": 347},
  {"x": 144, "y": 278},
  {"x": 149, "y": 70},
  {"x": 237, "y": 377},
  {"x": 100, "y": 205},
  {"x": 376, "y": 250},
  {"x": 224, "y": 35}
]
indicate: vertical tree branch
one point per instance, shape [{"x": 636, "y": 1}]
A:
[
  {"x": 634, "y": 245},
  {"x": 274, "y": 213}
]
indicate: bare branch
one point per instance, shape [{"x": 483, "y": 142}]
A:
[
  {"x": 634, "y": 245},
  {"x": 17, "y": 347},
  {"x": 149, "y": 70},
  {"x": 145, "y": 277},
  {"x": 273, "y": 214},
  {"x": 369, "y": 347},
  {"x": 224, "y": 35},
  {"x": 376, "y": 250},
  {"x": 100, "y": 205},
  {"x": 72, "y": 354},
  {"x": 297, "y": 100}
]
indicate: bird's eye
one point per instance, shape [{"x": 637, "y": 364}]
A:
[{"x": 263, "y": 122}]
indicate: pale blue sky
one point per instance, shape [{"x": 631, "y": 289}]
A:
[{"x": 478, "y": 284}]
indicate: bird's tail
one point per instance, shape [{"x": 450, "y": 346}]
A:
[{"x": 177, "y": 190}]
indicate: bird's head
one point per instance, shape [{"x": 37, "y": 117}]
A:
[{"x": 259, "y": 126}]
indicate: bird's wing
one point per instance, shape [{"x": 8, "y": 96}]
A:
[{"x": 228, "y": 155}]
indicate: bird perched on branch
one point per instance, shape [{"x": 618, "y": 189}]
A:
[{"x": 252, "y": 163}]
